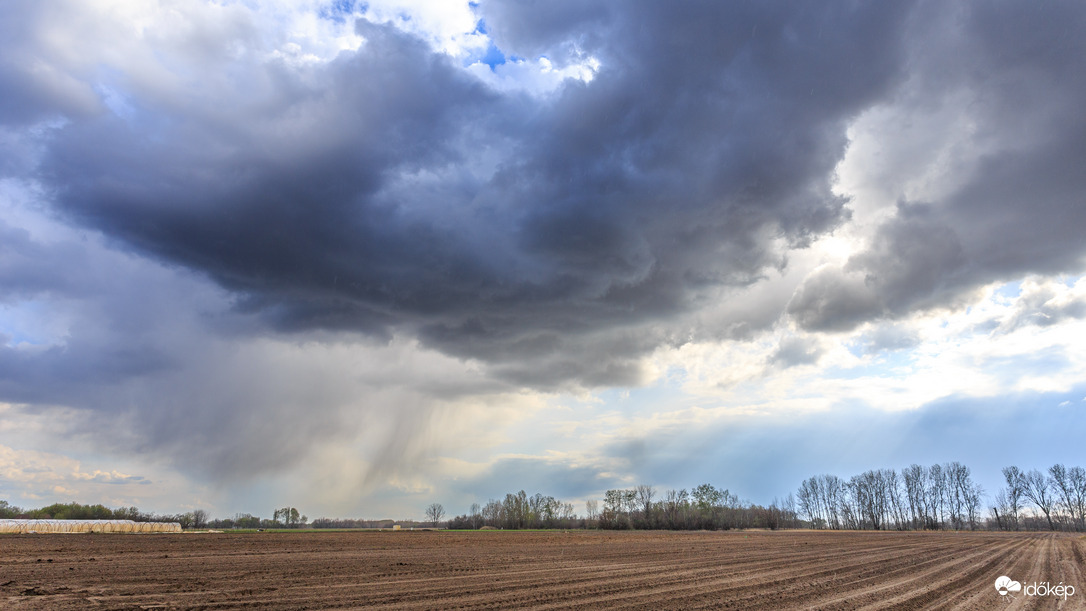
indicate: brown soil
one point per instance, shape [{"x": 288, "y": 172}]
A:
[{"x": 541, "y": 570}]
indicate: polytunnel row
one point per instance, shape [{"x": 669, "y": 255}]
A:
[{"x": 87, "y": 526}]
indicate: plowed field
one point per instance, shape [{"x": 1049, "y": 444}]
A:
[{"x": 548, "y": 570}]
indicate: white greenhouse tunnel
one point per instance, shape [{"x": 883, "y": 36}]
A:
[{"x": 87, "y": 526}]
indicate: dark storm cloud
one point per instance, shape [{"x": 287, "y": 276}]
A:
[
  {"x": 913, "y": 260},
  {"x": 362, "y": 194},
  {"x": 831, "y": 300},
  {"x": 1021, "y": 209}
]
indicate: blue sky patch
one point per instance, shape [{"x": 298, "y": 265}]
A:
[{"x": 339, "y": 10}]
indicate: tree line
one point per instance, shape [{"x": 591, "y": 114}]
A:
[
  {"x": 1058, "y": 498},
  {"x": 702, "y": 508},
  {"x": 935, "y": 497},
  {"x": 287, "y": 517},
  {"x": 518, "y": 511},
  {"x": 75, "y": 511},
  {"x": 283, "y": 517},
  {"x": 945, "y": 497},
  {"x": 939, "y": 496}
]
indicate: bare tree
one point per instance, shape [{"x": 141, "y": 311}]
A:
[
  {"x": 810, "y": 502},
  {"x": 492, "y": 513},
  {"x": 1002, "y": 510},
  {"x": 645, "y": 493},
  {"x": 1077, "y": 476},
  {"x": 592, "y": 508},
  {"x": 973, "y": 502},
  {"x": 936, "y": 496},
  {"x": 568, "y": 513},
  {"x": 833, "y": 491},
  {"x": 1038, "y": 489},
  {"x": 916, "y": 492},
  {"x": 434, "y": 513},
  {"x": 896, "y": 502},
  {"x": 1071, "y": 484},
  {"x": 1014, "y": 493}
]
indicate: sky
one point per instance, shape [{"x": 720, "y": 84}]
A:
[{"x": 361, "y": 257}]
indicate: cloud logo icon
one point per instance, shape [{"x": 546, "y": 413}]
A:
[{"x": 1005, "y": 584}]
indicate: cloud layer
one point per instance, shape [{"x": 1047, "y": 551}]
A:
[{"x": 242, "y": 238}]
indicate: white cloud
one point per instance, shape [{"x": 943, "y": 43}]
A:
[
  {"x": 538, "y": 77},
  {"x": 33, "y": 475}
]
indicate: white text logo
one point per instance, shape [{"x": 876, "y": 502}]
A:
[{"x": 1005, "y": 585}]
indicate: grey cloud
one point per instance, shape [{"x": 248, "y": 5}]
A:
[
  {"x": 832, "y": 300},
  {"x": 28, "y": 268},
  {"x": 1042, "y": 306},
  {"x": 912, "y": 255},
  {"x": 554, "y": 239},
  {"x": 1022, "y": 213},
  {"x": 1019, "y": 208},
  {"x": 890, "y": 337},
  {"x": 32, "y": 88},
  {"x": 362, "y": 195},
  {"x": 794, "y": 351},
  {"x": 913, "y": 262},
  {"x": 158, "y": 365},
  {"x": 542, "y": 28}
]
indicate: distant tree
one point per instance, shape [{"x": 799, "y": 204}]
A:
[
  {"x": 127, "y": 513},
  {"x": 8, "y": 511},
  {"x": 617, "y": 505},
  {"x": 789, "y": 508},
  {"x": 1077, "y": 478},
  {"x": 973, "y": 504},
  {"x": 916, "y": 495},
  {"x": 245, "y": 520},
  {"x": 459, "y": 523},
  {"x": 434, "y": 513},
  {"x": 184, "y": 519},
  {"x": 592, "y": 509},
  {"x": 569, "y": 514},
  {"x": 493, "y": 513},
  {"x": 476, "y": 516},
  {"x": 515, "y": 510},
  {"x": 1070, "y": 483},
  {"x": 645, "y": 494},
  {"x": 1014, "y": 493},
  {"x": 1038, "y": 489},
  {"x": 288, "y": 517},
  {"x": 199, "y": 518},
  {"x": 936, "y": 496}
]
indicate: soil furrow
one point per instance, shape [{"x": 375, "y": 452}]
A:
[{"x": 540, "y": 570}]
